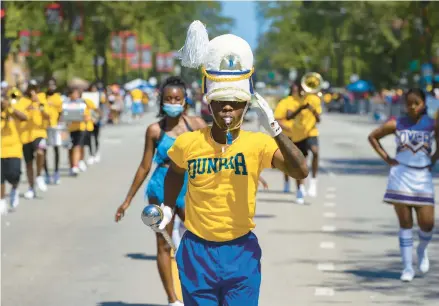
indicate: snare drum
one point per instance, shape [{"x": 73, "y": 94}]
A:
[
  {"x": 73, "y": 112},
  {"x": 58, "y": 136}
]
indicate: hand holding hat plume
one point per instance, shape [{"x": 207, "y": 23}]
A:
[{"x": 267, "y": 116}]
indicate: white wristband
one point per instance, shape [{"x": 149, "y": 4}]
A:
[{"x": 275, "y": 128}]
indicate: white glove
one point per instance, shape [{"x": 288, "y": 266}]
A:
[
  {"x": 167, "y": 216},
  {"x": 267, "y": 117}
]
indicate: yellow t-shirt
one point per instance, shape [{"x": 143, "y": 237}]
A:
[
  {"x": 35, "y": 126},
  {"x": 221, "y": 197},
  {"x": 145, "y": 99},
  {"x": 137, "y": 95},
  {"x": 55, "y": 108},
  {"x": 280, "y": 113},
  {"x": 305, "y": 120},
  {"x": 11, "y": 145},
  {"x": 87, "y": 124}
]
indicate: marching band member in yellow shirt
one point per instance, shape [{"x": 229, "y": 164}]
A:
[
  {"x": 11, "y": 151},
  {"x": 78, "y": 133},
  {"x": 54, "y": 102},
  {"x": 33, "y": 135},
  {"x": 219, "y": 256},
  {"x": 137, "y": 106},
  {"x": 299, "y": 117}
]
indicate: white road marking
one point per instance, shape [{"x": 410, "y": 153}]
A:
[
  {"x": 324, "y": 291},
  {"x": 328, "y": 228},
  {"x": 329, "y": 204},
  {"x": 331, "y": 189},
  {"x": 327, "y": 245},
  {"x": 329, "y": 214},
  {"x": 330, "y": 196},
  {"x": 326, "y": 266}
]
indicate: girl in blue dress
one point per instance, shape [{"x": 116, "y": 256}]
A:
[{"x": 160, "y": 136}]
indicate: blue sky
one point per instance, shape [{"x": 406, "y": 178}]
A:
[{"x": 244, "y": 13}]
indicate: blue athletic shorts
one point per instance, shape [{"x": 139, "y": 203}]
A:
[
  {"x": 136, "y": 108},
  {"x": 219, "y": 273},
  {"x": 156, "y": 187}
]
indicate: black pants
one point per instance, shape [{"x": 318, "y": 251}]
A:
[
  {"x": 95, "y": 135},
  {"x": 11, "y": 170}
]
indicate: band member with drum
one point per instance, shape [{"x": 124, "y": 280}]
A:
[
  {"x": 78, "y": 131},
  {"x": 11, "y": 150},
  {"x": 219, "y": 257},
  {"x": 33, "y": 133},
  {"x": 54, "y": 131},
  {"x": 160, "y": 136}
]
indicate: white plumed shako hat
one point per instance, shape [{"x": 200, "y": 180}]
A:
[{"x": 226, "y": 63}]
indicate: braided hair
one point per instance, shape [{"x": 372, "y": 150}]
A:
[{"x": 173, "y": 81}]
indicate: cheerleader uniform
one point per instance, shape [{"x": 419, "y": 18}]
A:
[{"x": 411, "y": 181}]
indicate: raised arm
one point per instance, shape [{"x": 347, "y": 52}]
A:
[{"x": 289, "y": 159}]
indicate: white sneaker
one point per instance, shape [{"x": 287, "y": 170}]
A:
[
  {"x": 14, "y": 198},
  {"x": 302, "y": 189},
  {"x": 423, "y": 262},
  {"x": 299, "y": 197},
  {"x": 82, "y": 166},
  {"x": 29, "y": 194},
  {"x": 312, "y": 190},
  {"x": 286, "y": 187},
  {"x": 97, "y": 157},
  {"x": 41, "y": 183},
  {"x": 90, "y": 161},
  {"x": 407, "y": 275},
  {"x": 3, "y": 207},
  {"x": 74, "y": 171},
  {"x": 176, "y": 303}
]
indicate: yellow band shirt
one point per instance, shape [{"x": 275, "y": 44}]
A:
[
  {"x": 304, "y": 125},
  {"x": 11, "y": 145},
  {"x": 221, "y": 197}
]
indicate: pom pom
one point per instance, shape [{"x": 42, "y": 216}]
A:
[{"x": 196, "y": 46}]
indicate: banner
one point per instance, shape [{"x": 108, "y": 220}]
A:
[
  {"x": 146, "y": 57},
  {"x": 160, "y": 62},
  {"x": 130, "y": 40},
  {"x": 116, "y": 45},
  {"x": 53, "y": 15},
  {"x": 169, "y": 62},
  {"x": 135, "y": 60},
  {"x": 35, "y": 42},
  {"x": 24, "y": 42},
  {"x": 77, "y": 26}
]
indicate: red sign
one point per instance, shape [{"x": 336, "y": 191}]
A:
[
  {"x": 77, "y": 26},
  {"x": 135, "y": 60},
  {"x": 130, "y": 42},
  {"x": 36, "y": 35},
  {"x": 24, "y": 37},
  {"x": 3, "y": 13},
  {"x": 146, "y": 57},
  {"x": 53, "y": 14}
]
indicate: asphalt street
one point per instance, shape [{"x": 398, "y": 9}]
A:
[{"x": 64, "y": 248}]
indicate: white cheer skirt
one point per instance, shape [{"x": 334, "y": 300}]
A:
[{"x": 409, "y": 186}]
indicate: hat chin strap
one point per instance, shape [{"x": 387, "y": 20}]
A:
[{"x": 238, "y": 125}]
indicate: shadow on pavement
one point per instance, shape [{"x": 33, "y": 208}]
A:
[
  {"x": 360, "y": 166},
  {"x": 126, "y": 304},
  {"x": 141, "y": 256},
  {"x": 264, "y": 216}
]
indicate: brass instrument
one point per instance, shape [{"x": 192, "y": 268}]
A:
[{"x": 311, "y": 82}]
